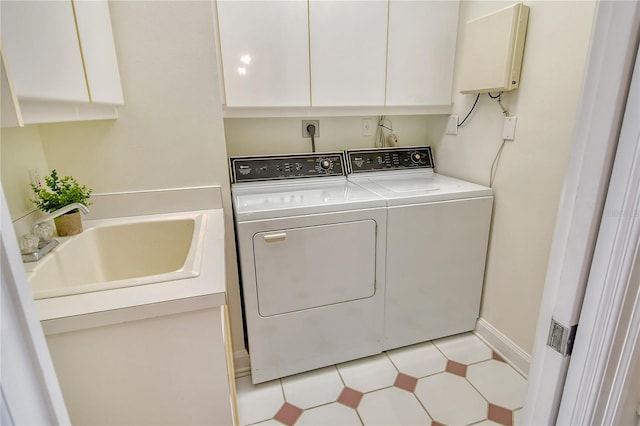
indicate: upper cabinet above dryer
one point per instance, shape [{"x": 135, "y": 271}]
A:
[
  {"x": 422, "y": 50},
  {"x": 335, "y": 57},
  {"x": 348, "y": 42},
  {"x": 61, "y": 58}
]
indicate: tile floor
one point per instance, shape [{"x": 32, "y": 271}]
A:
[{"x": 457, "y": 380}]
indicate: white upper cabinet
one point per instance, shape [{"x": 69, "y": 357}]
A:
[
  {"x": 11, "y": 115},
  {"x": 41, "y": 48},
  {"x": 331, "y": 57},
  {"x": 265, "y": 52},
  {"x": 422, "y": 48},
  {"x": 99, "y": 51},
  {"x": 348, "y": 43},
  {"x": 62, "y": 59}
]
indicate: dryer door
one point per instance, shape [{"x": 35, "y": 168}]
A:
[{"x": 307, "y": 267}]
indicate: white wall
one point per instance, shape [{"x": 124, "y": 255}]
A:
[
  {"x": 170, "y": 131},
  {"x": 529, "y": 179}
]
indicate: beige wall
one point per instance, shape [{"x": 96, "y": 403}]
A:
[
  {"x": 170, "y": 132},
  {"x": 529, "y": 179},
  {"x": 20, "y": 151},
  {"x": 253, "y": 136}
]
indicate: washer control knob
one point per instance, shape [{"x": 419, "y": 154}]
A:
[
  {"x": 416, "y": 157},
  {"x": 325, "y": 164}
]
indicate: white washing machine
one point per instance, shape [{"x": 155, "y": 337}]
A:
[
  {"x": 437, "y": 236},
  {"x": 311, "y": 249}
]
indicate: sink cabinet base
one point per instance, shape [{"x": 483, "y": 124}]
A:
[{"x": 170, "y": 369}]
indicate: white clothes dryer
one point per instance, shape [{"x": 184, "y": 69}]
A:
[
  {"x": 437, "y": 236},
  {"x": 311, "y": 249}
]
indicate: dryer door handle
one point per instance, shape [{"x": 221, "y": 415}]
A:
[{"x": 275, "y": 238}]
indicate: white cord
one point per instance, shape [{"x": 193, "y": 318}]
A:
[{"x": 495, "y": 161}]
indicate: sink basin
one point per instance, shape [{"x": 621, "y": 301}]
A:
[{"x": 123, "y": 252}]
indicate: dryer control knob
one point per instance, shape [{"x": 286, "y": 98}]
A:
[
  {"x": 416, "y": 157},
  {"x": 325, "y": 164}
]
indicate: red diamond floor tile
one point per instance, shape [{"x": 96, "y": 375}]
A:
[
  {"x": 406, "y": 382},
  {"x": 497, "y": 357},
  {"x": 288, "y": 414},
  {"x": 350, "y": 397},
  {"x": 500, "y": 415},
  {"x": 456, "y": 368}
]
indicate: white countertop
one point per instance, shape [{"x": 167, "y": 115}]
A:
[{"x": 208, "y": 289}]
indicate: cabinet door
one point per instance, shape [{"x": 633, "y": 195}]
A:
[
  {"x": 98, "y": 48},
  {"x": 422, "y": 48},
  {"x": 348, "y": 42},
  {"x": 9, "y": 108},
  {"x": 42, "y": 49},
  {"x": 265, "y": 52}
]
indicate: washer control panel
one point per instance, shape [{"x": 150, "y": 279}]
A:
[
  {"x": 279, "y": 167},
  {"x": 371, "y": 160}
]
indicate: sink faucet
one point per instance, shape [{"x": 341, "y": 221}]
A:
[{"x": 60, "y": 212}]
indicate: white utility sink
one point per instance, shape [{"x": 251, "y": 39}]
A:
[{"x": 123, "y": 252}]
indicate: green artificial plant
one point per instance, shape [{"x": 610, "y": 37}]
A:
[{"x": 60, "y": 193}]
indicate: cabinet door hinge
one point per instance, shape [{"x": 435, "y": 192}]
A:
[{"x": 561, "y": 337}]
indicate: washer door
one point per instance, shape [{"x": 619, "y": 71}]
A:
[{"x": 302, "y": 268}]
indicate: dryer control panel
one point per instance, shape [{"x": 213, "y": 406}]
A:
[
  {"x": 279, "y": 167},
  {"x": 372, "y": 160}
]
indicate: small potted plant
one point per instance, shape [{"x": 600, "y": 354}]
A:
[{"x": 60, "y": 192}]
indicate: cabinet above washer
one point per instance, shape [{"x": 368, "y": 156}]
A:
[
  {"x": 61, "y": 58},
  {"x": 329, "y": 57}
]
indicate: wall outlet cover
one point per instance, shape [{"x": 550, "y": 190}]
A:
[
  {"x": 305, "y": 132},
  {"x": 35, "y": 177}
]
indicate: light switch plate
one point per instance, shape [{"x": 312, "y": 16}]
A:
[
  {"x": 367, "y": 127},
  {"x": 452, "y": 125}
]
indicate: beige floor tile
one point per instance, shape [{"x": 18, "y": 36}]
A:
[
  {"x": 313, "y": 388},
  {"x": 451, "y": 400},
  {"x": 419, "y": 360},
  {"x": 368, "y": 374},
  {"x": 392, "y": 406},
  {"x": 464, "y": 348},
  {"x": 257, "y": 402}
]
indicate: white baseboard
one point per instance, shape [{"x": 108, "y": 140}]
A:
[
  {"x": 241, "y": 363},
  {"x": 517, "y": 357}
]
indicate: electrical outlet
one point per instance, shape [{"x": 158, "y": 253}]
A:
[
  {"x": 367, "y": 127},
  {"x": 35, "y": 178},
  {"x": 305, "y": 132},
  {"x": 452, "y": 125},
  {"x": 509, "y": 130}
]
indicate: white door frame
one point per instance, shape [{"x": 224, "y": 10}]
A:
[
  {"x": 607, "y": 78},
  {"x": 29, "y": 389},
  {"x": 610, "y": 317}
]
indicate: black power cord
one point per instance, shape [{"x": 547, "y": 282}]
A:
[
  {"x": 311, "y": 129},
  {"x": 470, "y": 111}
]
